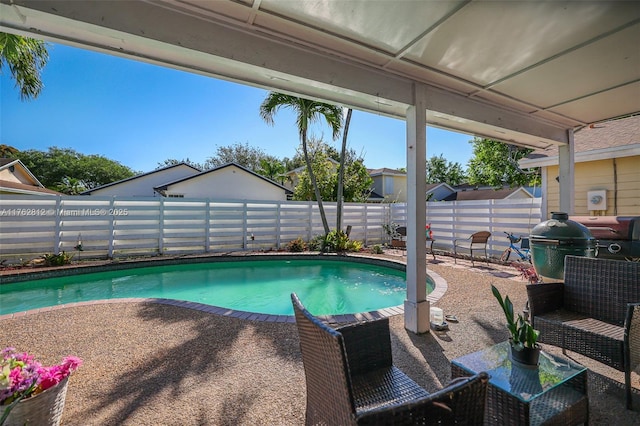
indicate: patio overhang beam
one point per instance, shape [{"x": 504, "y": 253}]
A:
[{"x": 148, "y": 33}]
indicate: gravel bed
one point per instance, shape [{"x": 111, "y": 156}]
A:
[{"x": 151, "y": 364}]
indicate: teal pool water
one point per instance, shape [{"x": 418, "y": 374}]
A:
[{"x": 325, "y": 287}]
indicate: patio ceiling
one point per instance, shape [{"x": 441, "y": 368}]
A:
[{"x": 522, "y": 72}]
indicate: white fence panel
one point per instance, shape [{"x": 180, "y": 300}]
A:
[
  {"x": 459, "y": 219},
  {"x": 119, "y": 227},
  {"x": 28, "y": 226}
]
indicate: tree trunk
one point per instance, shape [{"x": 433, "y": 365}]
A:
[
  {"x": 341, "y": 171},
  {"x": 312, "y": 178}
]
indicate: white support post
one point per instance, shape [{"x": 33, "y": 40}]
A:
[
  {"x": 566, "y": 157},
  {"x": 416, "y": 306}
]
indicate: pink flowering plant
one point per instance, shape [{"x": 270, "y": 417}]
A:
[
  {"x": 428, "y": 231},
  {"x": 22, "y": 376}
]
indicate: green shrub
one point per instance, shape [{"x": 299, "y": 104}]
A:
[
  {"x": 296, "y": 246},
  {"x": 317, "y": 243},
  {"x": 336, "y": 241},
  {"x": 354, "y": 245},
  {"x": 57, "y": 259},
  {"x": 377, "y": 249}
]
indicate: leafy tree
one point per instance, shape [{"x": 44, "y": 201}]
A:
[
  {"x": 25, "y": 57},
  {"x": 173, "y": 162},
  {"x": 65, "y": 166},
  {"x": 307, "y": 111},
  {"x": 357, "y": 182},
  {"x": 324, "y": 172},
  {"x": 439, "y": 169},
  {"x": 243, "y": 154},
  {"x": 495, "y": 163},
  {"x": 293, "y": 163},
  {"x": 317, "y": 144},
  {"x": 7, "y": 151}
]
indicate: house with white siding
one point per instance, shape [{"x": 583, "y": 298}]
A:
[
  {"x": 143, "y": 185},
  {"x": 228, "y": 182}
]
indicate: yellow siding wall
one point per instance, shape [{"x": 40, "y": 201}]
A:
[{"x": 595, "y": 175}]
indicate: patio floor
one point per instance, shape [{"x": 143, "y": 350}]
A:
[{"x": 149, "y": 363}]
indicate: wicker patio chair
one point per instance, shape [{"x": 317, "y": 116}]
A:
[
  {"x": 477, "y": 241},
  {"x": 594, "y": 312},
  {"x": 351, "y": 380}
]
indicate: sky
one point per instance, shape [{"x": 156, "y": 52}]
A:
[{"x": 141, "y": 114}]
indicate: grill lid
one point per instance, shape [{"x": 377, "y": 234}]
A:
[
  {"x": 559, "y": 228},
  {"x": 611, "y": 227}
]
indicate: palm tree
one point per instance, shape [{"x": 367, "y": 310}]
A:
[
  {"x": 26, "y": 57},
  {"x": 307, "y": 112},
  {"x": 272, "y": 168},
  {"x": 343, "y": 151}
]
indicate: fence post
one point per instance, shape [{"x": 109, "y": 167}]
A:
[
  {"x": 207, "y": 225},
  {"x": 244, "y": 225},
  {"x": 278, "y": 224},
  {"x": 56, "y": 242},
  {"x": 111, "y": 228},
  {"x": 161, "y": 226},
  {"x": 310, "y": 205}
]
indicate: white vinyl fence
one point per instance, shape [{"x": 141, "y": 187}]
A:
[{"x": 31, "y": 226}]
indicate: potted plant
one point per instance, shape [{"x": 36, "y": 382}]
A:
[
  {"x": 524, "y": 338},
  {"x": 31, "y": 393}
]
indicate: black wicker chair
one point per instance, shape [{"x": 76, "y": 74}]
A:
[
  {"x": 595, "y": 312},
  {"x": 351, "y": 380}
]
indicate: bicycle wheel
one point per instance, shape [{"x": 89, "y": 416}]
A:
[{"x": 505, "y": 255}]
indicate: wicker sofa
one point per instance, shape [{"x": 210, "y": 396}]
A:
[
  {"x": 595, "y": 312},
  {"x": 351, "y": 380}
]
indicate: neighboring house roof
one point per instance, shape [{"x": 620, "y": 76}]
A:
[
  {"x": 433, "y": 186},
  {"x": 167, "y": 185},
  {"x": 375, "y": 197},
  {"x": 16, "y": 178},
  {"x": 488, "y": 194},
  {"x": 385, "y": 171},
  {"x": 24, "y": 189},
  {"x": 160, "y": 170},
  {"x": 438, "y": 191},
  {"x": 610, "y": 139}
]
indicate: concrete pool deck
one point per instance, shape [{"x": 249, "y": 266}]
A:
[{"x": 150, "y": 363}]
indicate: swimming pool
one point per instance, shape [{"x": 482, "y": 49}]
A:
[{"x": 327, "y": 287}]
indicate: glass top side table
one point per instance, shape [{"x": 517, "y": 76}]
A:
[{"x": 553, "y": 393}]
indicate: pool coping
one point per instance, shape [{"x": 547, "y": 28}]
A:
[{"x": 440, "y": 286}]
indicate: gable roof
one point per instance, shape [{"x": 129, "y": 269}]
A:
[
  {"x": 6, "y": 163},
  {"x": 433, "y": 186},
  {"x": 386, "y": 171},
  {"x": 609, "y": 139},
  {"x": 485, "y": 194},
  {"x": 167, "y": 185},
  {"x": 35, "y": 188},
  {"x": 23, "y": 188},
  {"x": 162, "y": 169}
]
